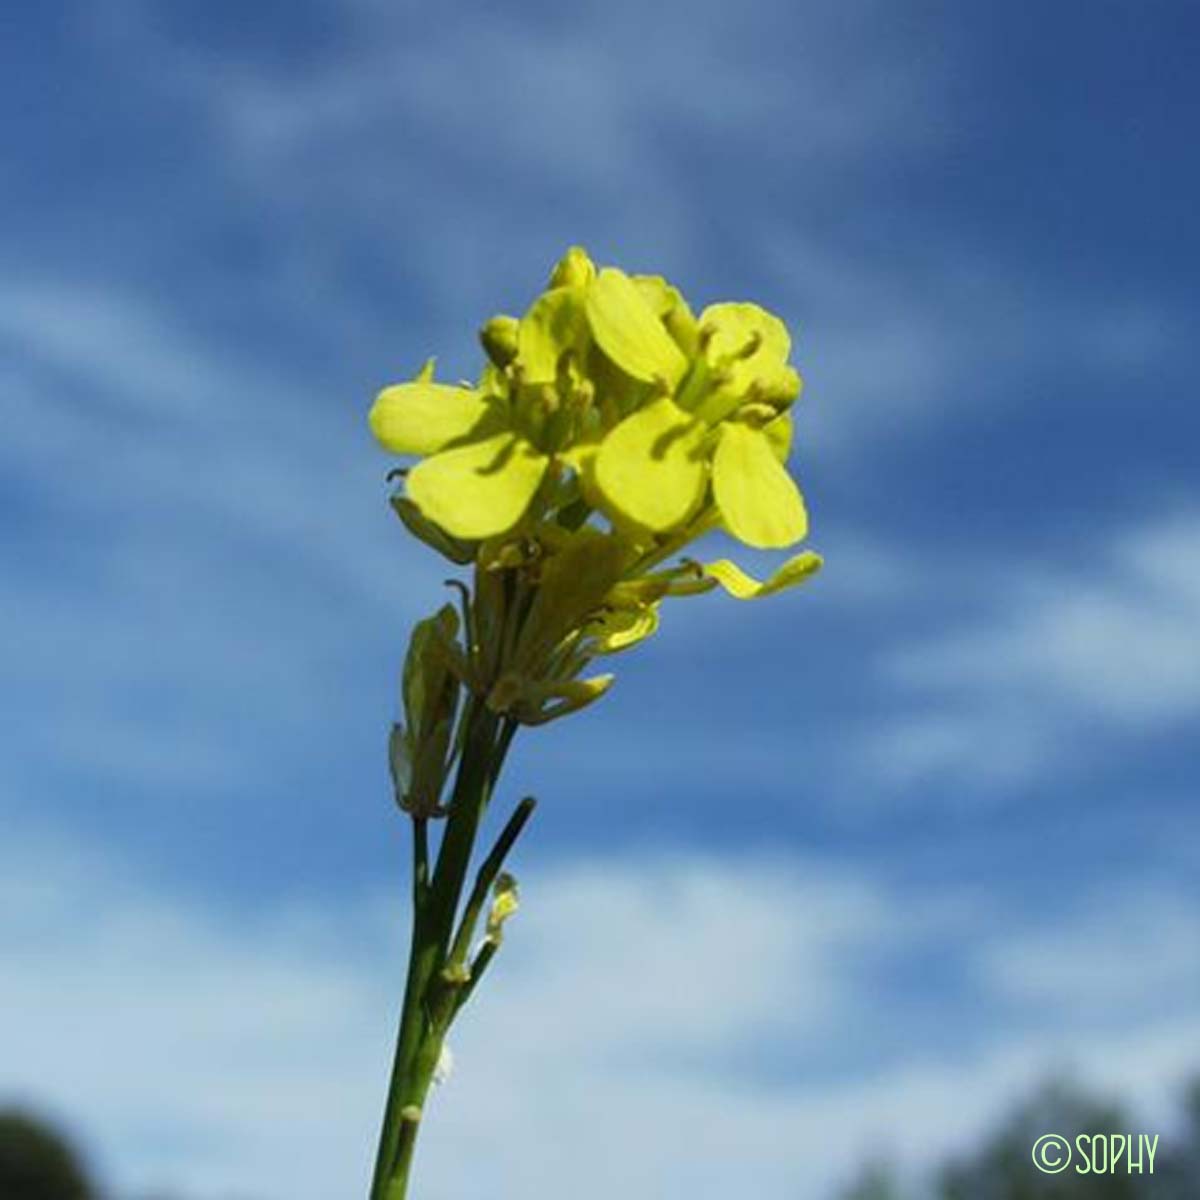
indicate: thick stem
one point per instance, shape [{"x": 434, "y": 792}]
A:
[
  {"x": 420, "y": 963},
  {"x": 418, "y": 1044}
]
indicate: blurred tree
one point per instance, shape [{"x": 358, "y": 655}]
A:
[
  {"x": 36, "y": 1163},
  {"x": 876, "y": 1182},
  {"x": 1003, "y": 1168},
  {"x": 1178, "y": 1176}
]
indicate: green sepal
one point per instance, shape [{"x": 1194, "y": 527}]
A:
[
  {"x": 573, "y": 584},
  {"x": 457, "y": 550},
  {"x": 430, "y": 693}
]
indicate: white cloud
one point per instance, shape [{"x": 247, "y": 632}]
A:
[
  {"x": 623, "y": 127},
  {"x": 1058, "y": 655},
  {"x": 886, "y": 346},
  {"x": 218, "y": 535},
  {"x": 1116, "y": 957},
  {"x": 639, "y": 1005}
]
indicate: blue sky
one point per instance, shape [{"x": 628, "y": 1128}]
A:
[{"x": 882, "y": 852}]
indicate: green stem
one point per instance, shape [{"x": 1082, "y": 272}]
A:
[
  {"x": 479, "y": 964},
  {"x": 486, "y": 877},
  {"x": 485, "y": 740},
  {"x": 395, "y": 1129}
]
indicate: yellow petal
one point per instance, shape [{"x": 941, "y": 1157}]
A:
[
  {"x": 779, "y": 434},
  {"x": 481, "y": 489},
  {"x": 650, "y": 468},
  {"x": 671, "y": 309},
  {"x": 758, "y": 500},
  {"x": 566, "y": 697},
  {"x": 745, "y": 587},
  {"x": 629, "y": 332},
  {"x": 555, "y": 323},
  {"x": 422, "y": 417}
]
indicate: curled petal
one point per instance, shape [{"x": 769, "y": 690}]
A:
[
  {"x": 758, "y": 500},
  {"x": 534, "y": 702},
  {"x": 550, "y": 701},
  {"x": 620, "y": 628},
  {"x": 423, "y": 417},
  {"x": 629, "y": 331},
  {"x": 745, "y": 587},
  {"x": 650, "y": 468},
  {"x": 480, "y": 489}
]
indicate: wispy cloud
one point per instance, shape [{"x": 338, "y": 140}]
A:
[
  {"x": 1056, "y": 653},
  {"x": 199, "y": 536},
  {"x": 672, "y": 1001},
  {"x": 1118, "y": 957}
]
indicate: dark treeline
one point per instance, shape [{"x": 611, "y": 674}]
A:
[
  {"x": 39, "y": 1163},
  {"x": 1002, "y": 1167}
]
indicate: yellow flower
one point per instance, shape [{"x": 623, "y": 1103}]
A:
[
  {"x": 480, "y": 472},
  {"x": 607, "y": 397},
  {"x": 719, "y": 421},
  {"x": 488, "y": 449}
]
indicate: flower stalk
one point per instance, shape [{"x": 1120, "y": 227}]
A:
[
  {"x": 609, "y": 431},
  {"x": 434, "y": 991}
]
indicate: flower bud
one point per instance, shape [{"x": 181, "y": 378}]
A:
[
  {"x": 505, "y": 902},
  {"x": 574, "y": 269},
  {"x": 499, "y": 338}
]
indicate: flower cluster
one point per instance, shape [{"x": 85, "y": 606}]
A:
[{"x": 609, "y": 429}]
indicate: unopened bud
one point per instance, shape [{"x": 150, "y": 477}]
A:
[
  {"x": 499, "y": 338},
  {"x": 505, "y": 902},
  {"x": 574, "y": 269}
]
